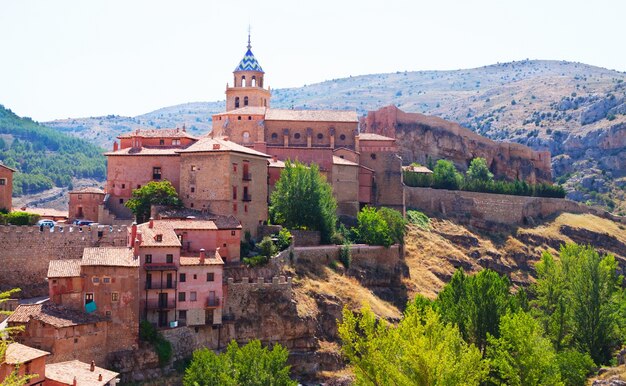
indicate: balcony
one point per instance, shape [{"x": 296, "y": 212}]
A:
[
  {"x": 212, "y": 302},
  {"x": 160, "y": 267},
  {"x": 246, "y": 197},
  {"x": 247, "y": 177},
  {"x": 156, "y": 304},
  {"x": 162, "y": 285}
]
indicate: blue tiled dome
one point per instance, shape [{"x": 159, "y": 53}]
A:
[{"x": 249, "y": 63}]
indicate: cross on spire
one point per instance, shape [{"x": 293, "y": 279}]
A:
[{"x": 249, "y": 45}]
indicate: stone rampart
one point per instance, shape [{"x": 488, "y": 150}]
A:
[
  {"x": 25, "y": 252},
  {"x": 483, "y": 209},
  {"x": 305, "y": 238}
]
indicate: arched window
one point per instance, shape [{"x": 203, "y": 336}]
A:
[
  {"x": 245, "y": 101},
  {"x": 239, "y": 118},
  {"x": 249, "y": 117},
  {"x": 236, "y": 102},
  {"x": 246, "y": 137},
  {"x": 253, "y": 81},
  {"x": 243, "y": 81},
  {"x": 274, "y": 136},
  {"x": 320, "y": 136},
  {"x": 296, "y": 135},
  {"x": 342, "y": 137}
]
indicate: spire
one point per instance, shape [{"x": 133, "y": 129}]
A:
[
  {"x": 249, "y": 45},
  {"x": 249, "y": 62}
]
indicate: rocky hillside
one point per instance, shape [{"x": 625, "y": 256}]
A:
[{"x": 576, "y": 111}]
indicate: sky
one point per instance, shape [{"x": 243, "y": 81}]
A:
[{"x": 77, "y": 58}]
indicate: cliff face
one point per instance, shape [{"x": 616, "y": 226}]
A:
[{"x": 420, "y": 137}]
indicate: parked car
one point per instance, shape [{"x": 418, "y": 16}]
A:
[
  {"x": 82, "y": 222},
  {"x": 46, "y": 223}
]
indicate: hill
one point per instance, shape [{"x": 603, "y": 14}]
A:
[
  {"x": 43, "y": 157},
  {"x": 576, "y": 111}
]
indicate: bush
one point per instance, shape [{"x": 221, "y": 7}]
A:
[
  {"x": 19, "y": 218},
  {"x": 345, "y": 257},
  {"x": 148, "y": 333},
  {"x": 418, "y": 218},
  {"x": 256, "y": 261},
  {"x": 445, "y": 176},
  {"x": 284, "y": 239},
  {"x": 267, "y": 247},
  {"x": 372, "y": 228}
]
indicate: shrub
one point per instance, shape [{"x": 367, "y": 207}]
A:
[
  {"x": 267, "y": 247},
  {"x": 345, "y": 257},
  {"x": 148, "y": 333},
  {"x": 372, "y": 228},
  {"x": 445, "y": 176},
  {"x": 284, "y": 239},
  {"x": 478, "y": 171},
  {"x": 256, "y": 261},
  {"x": 418, "y": 218},
  {"x": 19, "y": 218}
]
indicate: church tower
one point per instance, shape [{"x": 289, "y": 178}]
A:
[{"x": 248, "y": 88}]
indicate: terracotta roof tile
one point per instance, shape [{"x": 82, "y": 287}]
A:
[
  {"x": 276, "y": 163},
  {"x": 208, "y": 144},
  {"x": 90, "y": 189},
  {"x": 158, "y": 133},
  {"x": 110, "y": 256},
  {"x": 311, "y": 115},
  {"x": 221, "y": 221},
  {"x": 248, "y": 110},
  {"x": 342, "y": 161},
  {"x": 52, "y": 314},
  {"x": 18, "y": 353},
  {"x": 144, "y": 151},
  {"x": 417, "y": 169},
  {"x": 64, "y": 268},
  {"x": 374, "y": 137},
  {"x": 65, "y": 372},
  {"x": 149, "y": 236},
  {"x": 213, "y": 258}
]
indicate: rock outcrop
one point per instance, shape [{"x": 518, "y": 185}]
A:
[{"x": 421, "y": 137}]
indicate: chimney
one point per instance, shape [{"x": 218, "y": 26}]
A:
[
  {"x": 184, "y": 128},
  {"x": 202, "y": 256},
  {"x": 274, "y": 158},
  {"x": 92, "y": 367},
  {"x": 216, "y": 146},
  {"x": 133, "y": 234},
  {"x": 115, "y": 147},
  {"x": 151, "y": 223},
  {"x": 74, "y": 382},
  {"x": 100, "y": 377}
]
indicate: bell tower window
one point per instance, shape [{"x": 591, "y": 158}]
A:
[
  {"x": 245, "y": 101},
  {"x": 253, "y": 81},
  {"x": 236, "y": 102},
  {"x": 243, "y": 81}
]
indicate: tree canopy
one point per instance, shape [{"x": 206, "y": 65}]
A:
[
  {"x": 479, "y": 171},
  {"x": 302, "y": 199},
  {"x": 152, "y": 193},
  {"x": 382, "y": 226},
  {"x": 249, "y": 365},
  {"x": 445, "y": 176}
]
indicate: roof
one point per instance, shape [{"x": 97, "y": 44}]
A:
[
  {"x": 342, "y": 161},
  {"x": 417, "y": 169},
  {"x": 247, "y": 110},
  {"x": 89, "y": 189},
  {"x": 276, "y": 163},
  {"x": 46, "y": 212},
  {"x": 158, "y": 133},
  {"x": 213, "y": 258},
  {"x": 18, "y": 353},
  {"x": 166, "y": 227},
  {"x": 374, "y": 137},
  {"x": 64, "y": 268},
  {"x": 65, "y": 372},
  {"x": 311, "y": 115},
  {"x": 145, "y": 151},
  {"x": 6, "y": 167},
  {"x": 249, "y": 62},
  {"x": 52, "y": 314},
  {"x": 109, "y": 256},
  {"x": 208, "y": 144}
]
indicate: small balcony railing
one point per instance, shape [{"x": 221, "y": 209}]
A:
[
  {"x": 161, "y": 304},
  {"x": 247, "y": 177},
  {"x": 246, "y": 197},
  {"x": 212, "y": 302},
  {"x": 161, "y": 285}
]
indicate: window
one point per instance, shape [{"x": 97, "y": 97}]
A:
[
  {"x": 320, "y": 136},
  {"x": 236, "y": 102},
  {"x": 191, "y": 205},
  {"x": 148, "y": 259},
  {"x": 115, "y": 296},
  {"x": 175, "y": 141},
  {"x": 245, "y": 208},
  {"x": 274, "y": 135},
  {"x": 106, "y": 280},
  {"x": 245, "y": 101},
  {"x": 123, "y": 186},
  {"x": 373, "y": 155},
  {"x": 80, "y": 196},
  {"x": 234, "y": 192},
  {"x": 161, "y": 142},
  {"x": 194, "y": 168},
  {"x": 121, "y": 200},
  {"x": 195, "y": 276},
  {"x": 246, "y": 136},
  {"x": 88, "y": 297},
  {"x": 138, "y": 186},
  {"x": 342, "y": 137},
  {"x": 235, "y": 168},
  {"x": 108, "y": 313},
  {"x": 156, "y": 173},
  {"x": 158, "y": 238},
  {"x": 210, "y": 276},
  {"x": 235, "y": 208},
  {"x": 296, "y": 135},
  {"x": 95, "y": 280},
  {"x": 183, "y": 277},
  {"x": 54, "y": 281},
  {"x": 182, "y": 314},
  {"x": 193, "y": 189},
  {"x": 181, "y": 296},
  {"x": 193, "y": 296},
  {"x": 169, "y": 258},
  {"x": 232, "y": 233},
  {"x": 239, "y": 118},
  {"x": 249, "y": 118}
]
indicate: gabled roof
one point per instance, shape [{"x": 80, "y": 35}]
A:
[
  {"x": 90, "y": 189},
  {"x": 171, "y": 151},
  {"x": 417, "y": 169},
  {"x": 247, "y": 110},
  {"x": 158, "y": 133},
  {"x": 249, "y": 62},
  {"x": 342, "y": 161},
  {"x": 109, "y": 256},
  {"x": 68, "y": 372},
  {"x": 6, "y": 167},
  {"x": 276, "y": 163},
  {"x": 212, "y": 258},
  {"x": 212, "y": 145},
  {"x": 18, "y": 353},
  {"x": 52, "y": 314},
  {"x": 64, "y": 268},
  {"x": 374, "y": 137},
  {"x": 311, "y": 115}
]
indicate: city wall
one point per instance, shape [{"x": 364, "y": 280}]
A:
[
  {"x": 25, "y": 252},
  {"x": 484, "y": 209}
]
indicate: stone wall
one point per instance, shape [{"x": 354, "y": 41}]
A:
[
  {"x": 483, "y": 209},
  {"x": 305, "y": 238},
  {"x": 26, "y": 251}
]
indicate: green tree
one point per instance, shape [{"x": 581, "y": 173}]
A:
[
  {"x": 395, "y": 222},
  {"x": 575, "y": 367},
  {"x": 479, "y": 171},
  {"x": 422, "y": 350},
  {"x": 13, "y": 379},
  {"x": 521, "y": 356},
  {"x": 476, "y": 304},
  {"x": 445, "y": 176},
  {"x": 302, "y": 199},
  {"x": 249, "y": 365},
  {"x": 372, "y": 228},
  {"x": 152, "y": 193}
]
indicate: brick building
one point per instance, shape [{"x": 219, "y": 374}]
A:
[
  {"x": 6, "y": 187},
  {"x": 27, "y": 361},
  {"x": 84, "y": 204}
]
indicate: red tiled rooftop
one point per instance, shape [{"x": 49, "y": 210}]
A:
[
  {"x": 311, "y": 115},
  {"x": 212, "y": 258},
  {"x": 90, "y": 189},
  {"x": 343, "y": 161},
  {"x": 248, "y": 110},
  {"x": 109, "y": 256},
  {"x": 64, "y": 268},
  {"x": 66, "y": 372},
  {"x": 144, "y": 151},
  {"x": 158, "y": 133},
  {"x": 374, "y": 137},
  {"x": 18, "y": 353},
  {"x": 212, "y": 145},
  {"x": 52, "y": 314}
]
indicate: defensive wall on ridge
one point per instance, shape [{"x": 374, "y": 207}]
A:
[
  {"x": 25, "y": 252},
  {"x": 483, "y": 209}
]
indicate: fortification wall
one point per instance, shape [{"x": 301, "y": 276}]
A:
[
  {"x": 26, "y": 251},
  {"x": 482, "y": 209}
]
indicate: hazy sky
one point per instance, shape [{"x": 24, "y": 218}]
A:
[{"x": 79, "y": 58}]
